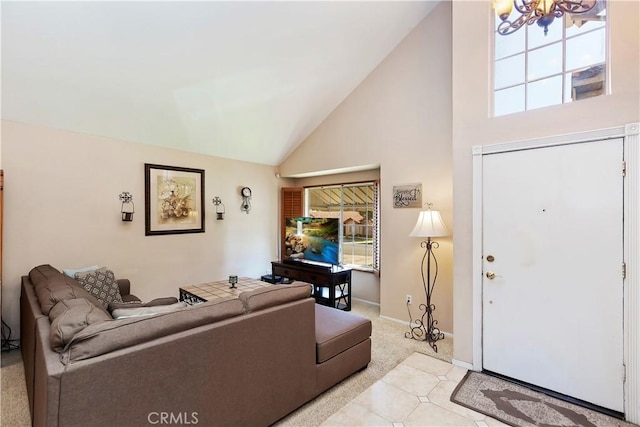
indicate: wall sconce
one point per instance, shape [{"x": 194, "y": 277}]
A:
[
  {"x": 128, "y": 207},
  {"x": 219, "y": 208}
]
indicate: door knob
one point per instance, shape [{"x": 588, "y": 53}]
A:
[{"x": 490, "y": 275}]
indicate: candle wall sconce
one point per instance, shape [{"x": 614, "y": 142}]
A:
[
  {"x": 128, "y": 208},
  {"x": 217, "y": 201}
]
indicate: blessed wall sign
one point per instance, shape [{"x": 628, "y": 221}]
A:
[{"x": 407, "y": 196}]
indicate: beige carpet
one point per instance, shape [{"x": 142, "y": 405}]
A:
[
  {"x": 389, "y": 348},
  {"x": 14, "y": 405}
]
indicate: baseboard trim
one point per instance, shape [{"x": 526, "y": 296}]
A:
[
  {"x": 366, "y": 301},
  {"x": 393, "y": 319},
  {"x": 405, "y": 323},
  {"x": 462, "y": 364}
]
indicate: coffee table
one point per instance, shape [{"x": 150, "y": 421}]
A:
[{"x": 197, "y": 294}]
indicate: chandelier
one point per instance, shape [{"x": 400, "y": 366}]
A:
[{"x": 543, "y": 12}]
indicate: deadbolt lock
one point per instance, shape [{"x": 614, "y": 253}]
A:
[{"x": 490, "y": 258}]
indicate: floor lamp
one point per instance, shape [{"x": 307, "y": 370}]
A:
[{"x": 429, "y": 225}]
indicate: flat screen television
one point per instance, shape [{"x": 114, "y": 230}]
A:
[{"x": 312, "y": 240}]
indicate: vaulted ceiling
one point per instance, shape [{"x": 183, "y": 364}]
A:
[{"x": 238, "y": 79}]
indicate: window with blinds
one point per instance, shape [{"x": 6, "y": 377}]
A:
[
  {"x": 292, "y": 206},
  {"x": 356, "y": 205}
]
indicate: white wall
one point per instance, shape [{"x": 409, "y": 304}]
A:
[
  {"x": 61, "y": 207},
  {"x": 472, "y": 124},
  {"x": 399, "y": 118}
]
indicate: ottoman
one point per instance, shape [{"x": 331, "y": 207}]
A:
[{"x": 343, "y": 344}]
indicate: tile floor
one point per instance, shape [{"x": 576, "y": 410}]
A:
[{"x": 414, "y": 393}]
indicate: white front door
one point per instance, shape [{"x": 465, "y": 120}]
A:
[{"x": 552, "y": 290}]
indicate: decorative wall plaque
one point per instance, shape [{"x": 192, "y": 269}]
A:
[{"x": 407, "y": 196}]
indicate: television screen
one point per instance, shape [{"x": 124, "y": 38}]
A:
[{"x": 312, "y": 239}]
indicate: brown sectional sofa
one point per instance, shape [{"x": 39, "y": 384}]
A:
[{"x": 230, "y": 362}]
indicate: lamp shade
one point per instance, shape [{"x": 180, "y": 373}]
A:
[{"x": 429, "y": 224}]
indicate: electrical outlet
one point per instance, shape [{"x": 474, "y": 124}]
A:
[{"x": 408, "y": 299}]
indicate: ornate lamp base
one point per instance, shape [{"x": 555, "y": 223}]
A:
[
  {"x": 425, "y": 331},
  {"x": 421, "y": 330}
]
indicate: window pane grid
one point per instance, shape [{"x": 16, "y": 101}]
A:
[
  {"x": 571, "y": 37},
  {"x": 575, "y": 68},
  {"x": 356, "y": 205}
]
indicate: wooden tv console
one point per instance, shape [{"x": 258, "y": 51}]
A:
[{"x": 331, "y": 284}]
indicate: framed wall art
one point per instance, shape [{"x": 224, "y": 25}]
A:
[{"x": 174, "y": 200}]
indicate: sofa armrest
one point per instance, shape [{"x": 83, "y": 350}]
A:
[
  {"x": 130, "y": 298},
  {"x": 125, "y": 290},
  {"x": 125, "y": 286}
]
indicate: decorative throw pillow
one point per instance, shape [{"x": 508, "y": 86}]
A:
[
  {"x": 71, "y": 272},
  {"x": 102, "y": 284}
]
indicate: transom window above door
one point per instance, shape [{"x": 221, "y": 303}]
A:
[{"x": 535, "y": 70}]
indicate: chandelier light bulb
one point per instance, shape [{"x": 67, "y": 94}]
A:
[{"x": 503, "y": 8}]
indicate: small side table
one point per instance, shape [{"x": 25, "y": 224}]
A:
[
  {"x": 331, "y": 284},
  {"x": 197, "y": 294}
]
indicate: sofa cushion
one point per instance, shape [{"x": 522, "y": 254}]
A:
[
  {"x": 68, "y": 317},
  {"x": 51, "y": 286},
  {"x": 101, "y": 283},
  {"x": 269, "y": 296},
  {"x": 101, "y": 338},
  {"x": 138, "y": 303},
  {"x": 338, "y": 330},
  {"x": 123, "y": 313},
  {"x": 128, "y": 298},
  {"x": 124, "y": 304},
  {"x": 71, "y": 272}
]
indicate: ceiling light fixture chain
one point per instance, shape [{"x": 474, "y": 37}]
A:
[{"x": 542, "y": 12}]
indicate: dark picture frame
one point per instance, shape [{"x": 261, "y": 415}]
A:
[{"x": 173, "y": 200}]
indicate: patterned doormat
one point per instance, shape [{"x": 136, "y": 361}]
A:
[{"x": 520, "y": 406}]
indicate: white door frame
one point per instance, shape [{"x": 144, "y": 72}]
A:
[{"x": 631, "y": 292}]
